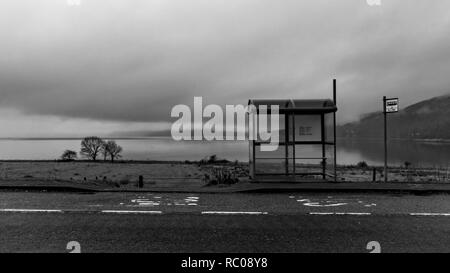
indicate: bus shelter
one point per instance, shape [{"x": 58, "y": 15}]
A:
[{"x": 307, "y": 142}]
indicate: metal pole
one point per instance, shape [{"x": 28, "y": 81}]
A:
[
  {"x": 141, "y": 181},
  {"x": 286, "y": 142},
  {"x": 334, "y": 131},
  {"x": 385, "y": 140},
  {"x": 322, "y": 127},
  {"x": 293, "y": 142}
]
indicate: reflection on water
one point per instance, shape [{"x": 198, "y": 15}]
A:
[
  {"x": 134, "y": 149},
  {"x": 399, "y": 151},
  {"x": 349, "y": 151}
]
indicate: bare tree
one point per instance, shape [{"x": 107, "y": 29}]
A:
[
  {"x": 91, "y": 147},
  {"x": 112, "y": 149},
  {"x": 69, "y": 155}
]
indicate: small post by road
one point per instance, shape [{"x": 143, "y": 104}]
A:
[
  {"x": 141, "y": 181},
  {"x": 389, "y": 106}
]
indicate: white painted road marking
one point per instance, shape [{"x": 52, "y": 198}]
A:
[
  {"x": 341, "y": 213},
  {"x": 330, "y": 201},
  {"x": 235, "y": 212},
  {"x": 429, "y": 214},
  {"x": 150, "y": 200},
  {"x": 317, "y": 204},
  {"x": 321, "y": 213},
  {"x": 31, "y": 210},
  {"x": 203, "y": 212},
  {"x": 132, "y": 211}
]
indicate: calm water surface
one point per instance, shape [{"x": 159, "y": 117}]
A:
[{"x": 349, "y": 151}]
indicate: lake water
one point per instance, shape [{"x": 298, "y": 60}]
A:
[{"x": 349, "y": 151}]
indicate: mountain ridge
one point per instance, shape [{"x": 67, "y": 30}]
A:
[{"x": 427, "y": 119}]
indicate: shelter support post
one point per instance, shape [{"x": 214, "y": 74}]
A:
[{"x": 334, "y": 132}]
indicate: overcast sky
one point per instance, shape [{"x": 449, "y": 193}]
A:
[{"x": 121, "y": 65}]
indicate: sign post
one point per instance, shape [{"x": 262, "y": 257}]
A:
[{"x": 389, "y": 106}]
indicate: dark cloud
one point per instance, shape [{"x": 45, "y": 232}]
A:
[{"x": 134, "y": 60}]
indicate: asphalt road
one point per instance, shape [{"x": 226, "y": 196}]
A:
[{"x": 142, "y": 222}]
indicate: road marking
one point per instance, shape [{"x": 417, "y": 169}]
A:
[
  {"x": 235, "y": 212},
  {"x": 31, "y": 210},
  {"x": 316, "y": 204},
  {"x": 321, "y": 213},
  {"x": 429, "y": 214},
  {"x": 353, "y": 213},
  {"x": 132, "y": 211},
  {"x": 205, "y": 212},
  {"x": 341, "y": 213}
]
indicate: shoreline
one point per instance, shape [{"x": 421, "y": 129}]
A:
[
  {"x": 125, "y": 174},
  {"x": 339, "y": 138},
  {"x": 200, "y": 162},
  {"x": 79, "y": 138}
]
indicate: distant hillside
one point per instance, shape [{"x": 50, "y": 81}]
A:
[{"x": 429, "y": 119}]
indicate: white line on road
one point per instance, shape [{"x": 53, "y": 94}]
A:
[
  {"x": 31, "y": 210},
  {"x": 235, "y": 212},
  {"x": 429, "y": 214},
  {"x": 132, "y": 211},
  {"x": 203, "y": 212},
  {"x": 341, "y": 213},
  {"x": 321, "y": 213},
  {"x": 353, "y": 213}
]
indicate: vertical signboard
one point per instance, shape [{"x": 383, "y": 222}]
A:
[{"x": 389, "y": 106}]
